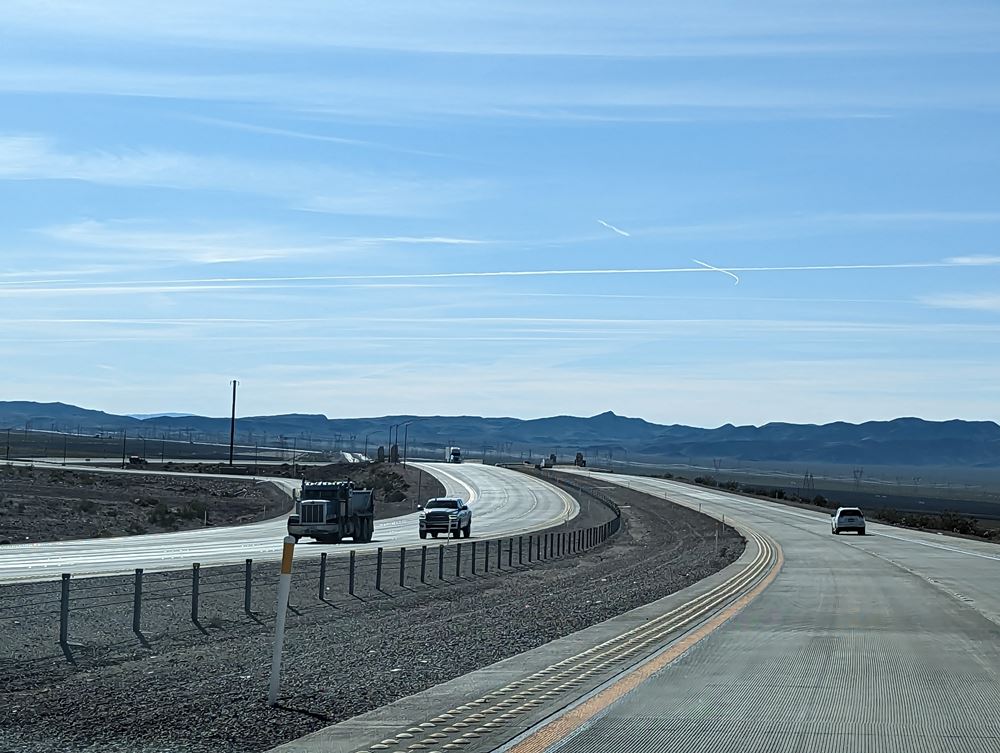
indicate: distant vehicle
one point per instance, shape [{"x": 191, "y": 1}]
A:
[
  {"x": 447, "y": 515},
  {"x": 848, "y": 519},
  {"x": 453, "y": 454},
  {"x": 580, "y": 461},
  {"x": 545, "y": 462},
  {"x": 330, "y": 511},
  {"x": 136, "y": 460}
]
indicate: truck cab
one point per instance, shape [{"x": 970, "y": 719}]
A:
[
  {"x": 332, "y": 511},
  {"x": 448, "y": 515}
]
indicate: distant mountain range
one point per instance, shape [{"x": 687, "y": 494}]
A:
[{"x": 903, "y": 441}]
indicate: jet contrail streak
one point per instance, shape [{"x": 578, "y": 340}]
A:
[
  {"x": 611, "y": 227},
  {"x": 724, "y": 271},
  {"x": 222, "y": 282}
]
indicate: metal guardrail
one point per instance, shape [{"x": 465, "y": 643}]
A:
[
  {"x": 562, "y": 481},
  {"x": 232, "y": 587}
]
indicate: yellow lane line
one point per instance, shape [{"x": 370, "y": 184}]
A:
[{"x": 558, "y": 729}]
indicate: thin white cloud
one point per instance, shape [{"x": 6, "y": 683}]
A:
[
  {"x": 136, "y": 243},
  {"x": 975, "y": 261},
  {"x": 306, "y": 136},
  {"x": 33, "y": 157},
  {"x": 435, "y": 240},
  {"x": 964, "y": 301},
  {"x": 583, "y": 27}
]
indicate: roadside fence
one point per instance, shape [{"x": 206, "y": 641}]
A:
[{"x": 143, "y": 606}]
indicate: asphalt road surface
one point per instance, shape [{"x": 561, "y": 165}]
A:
[
  {"x": 887, "y": 642},
  {"x": 503, "y": 502}
]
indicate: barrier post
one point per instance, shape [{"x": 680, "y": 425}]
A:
[
  {"x": 284, "y": 586},
  {"x": 247, "y": 586},
  {"x": 322, "y": 576},
  {"x": 64, "y": 610},
  {"x": 195, "y": 586},
  {"x": 350, "y": 576},
  {"x": 137, "y": 602}
]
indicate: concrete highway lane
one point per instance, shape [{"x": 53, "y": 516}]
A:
[
  {"x": 503, "y": 502},
  {"x": 887, "y": 642}
]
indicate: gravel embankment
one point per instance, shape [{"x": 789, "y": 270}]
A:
[{"x": 192, "y": 691}]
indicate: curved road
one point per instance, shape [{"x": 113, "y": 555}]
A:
[
  {"x": 503, "y": 503},
  {"x": 887, "y": 642}
]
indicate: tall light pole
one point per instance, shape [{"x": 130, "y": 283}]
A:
[
  {"x": 232, "y": 426},
  {"x": 406, "y": 433}
]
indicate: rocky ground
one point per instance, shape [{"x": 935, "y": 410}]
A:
[
  {"x": 205, "y": 691},
  {"x": 38, "y": 504},
  {"x": 42, "y": 504}
]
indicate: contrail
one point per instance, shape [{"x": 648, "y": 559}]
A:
[
  {"x": 724, "y": 271},
  {"x": 609, "y": 226},
  {"x": 194, "y": 284}
]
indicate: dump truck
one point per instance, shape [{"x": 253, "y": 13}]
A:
[
  {"x": 580, "y": 461},
  {"x": 331, "y": 511},
  {"x": 453, "y": 454}
]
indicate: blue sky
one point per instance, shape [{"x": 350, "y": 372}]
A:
[{"x": 373, "y": 208}]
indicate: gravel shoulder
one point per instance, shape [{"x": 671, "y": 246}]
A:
[{"x": 194, "y": 691}]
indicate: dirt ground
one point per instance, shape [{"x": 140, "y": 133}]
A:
[
  {"x": 53, "y": 504},
  {"x": 38, "y": 504},
  {"x": 398, "y": 488}
]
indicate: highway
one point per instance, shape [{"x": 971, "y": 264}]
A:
[
  {"x": 503, "y": 502},
  {"x": 887, "y": 642}
]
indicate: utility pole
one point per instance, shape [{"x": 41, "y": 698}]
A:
[
  {"x": 232, "y": 426},
  {"x": 124, "y": 440},
  {"x": 65, "y": 441},
  {"x": 8, "y": 444}
]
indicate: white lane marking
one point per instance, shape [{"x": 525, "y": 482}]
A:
[
  {"x": 940, "y": 546},
  {"x": 818, "y": 517}
]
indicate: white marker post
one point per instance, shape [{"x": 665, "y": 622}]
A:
[{"x": 284, "y": 586}]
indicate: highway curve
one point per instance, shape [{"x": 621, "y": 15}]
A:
[
  {"x": 888, "y": 642},
  {"x": 503, "y": 502}
]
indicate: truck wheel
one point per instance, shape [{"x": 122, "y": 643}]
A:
[
  {"x": 423, "y": 534},
  {"x": 296, "y": 538},
  {"x": 467, "y": 531},
  {"x": 434, "y": 534}
]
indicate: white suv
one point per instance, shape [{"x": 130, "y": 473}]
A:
[{"x": 848, "y": 519}]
